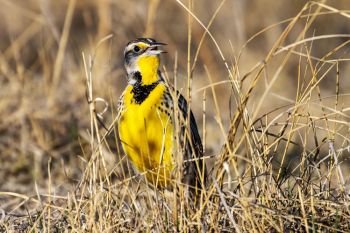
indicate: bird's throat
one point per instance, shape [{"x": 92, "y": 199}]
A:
[{"x": 148, "y": 68}]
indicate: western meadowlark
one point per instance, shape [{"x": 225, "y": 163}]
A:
[{"x": 147, "y": 120}]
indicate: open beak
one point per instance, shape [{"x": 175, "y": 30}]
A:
[{"x": 154, "y": 48}]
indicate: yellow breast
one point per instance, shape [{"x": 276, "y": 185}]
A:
[{"x": 147, "y": 136}]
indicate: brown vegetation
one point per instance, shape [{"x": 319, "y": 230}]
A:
[{"x": 269, "y": 88}]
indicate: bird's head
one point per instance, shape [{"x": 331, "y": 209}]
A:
[{"x": 141, "y": 58}]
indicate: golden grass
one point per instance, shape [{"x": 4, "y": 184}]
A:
[{"x": 273, "y": 114}]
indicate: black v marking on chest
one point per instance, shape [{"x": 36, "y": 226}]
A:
[{"x": 141, "y": 92}]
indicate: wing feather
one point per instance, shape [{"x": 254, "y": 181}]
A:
[{"x": 194, "y": 148}]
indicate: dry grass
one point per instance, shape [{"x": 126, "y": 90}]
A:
[{"x": 267, "y": 80}]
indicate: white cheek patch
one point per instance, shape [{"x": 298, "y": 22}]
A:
[
  {"x": 131, "y": 81},
  {"x": 132, "y": 67}
]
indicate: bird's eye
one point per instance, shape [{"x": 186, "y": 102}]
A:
[{"x": 136, "y": 49}]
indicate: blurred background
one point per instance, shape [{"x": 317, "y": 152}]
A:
[{"x": 43, "y": 108}]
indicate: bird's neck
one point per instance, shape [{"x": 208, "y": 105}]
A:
[
  {"x": 145, "y": 78},
  {"x": 148, "y": 69}
]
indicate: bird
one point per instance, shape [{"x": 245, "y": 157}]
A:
[{"x": 147, "y": 120}]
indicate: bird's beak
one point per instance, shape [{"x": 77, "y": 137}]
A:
[
  {"x": 154, "y": 48},
  {"x": 157, "y": 44}
]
